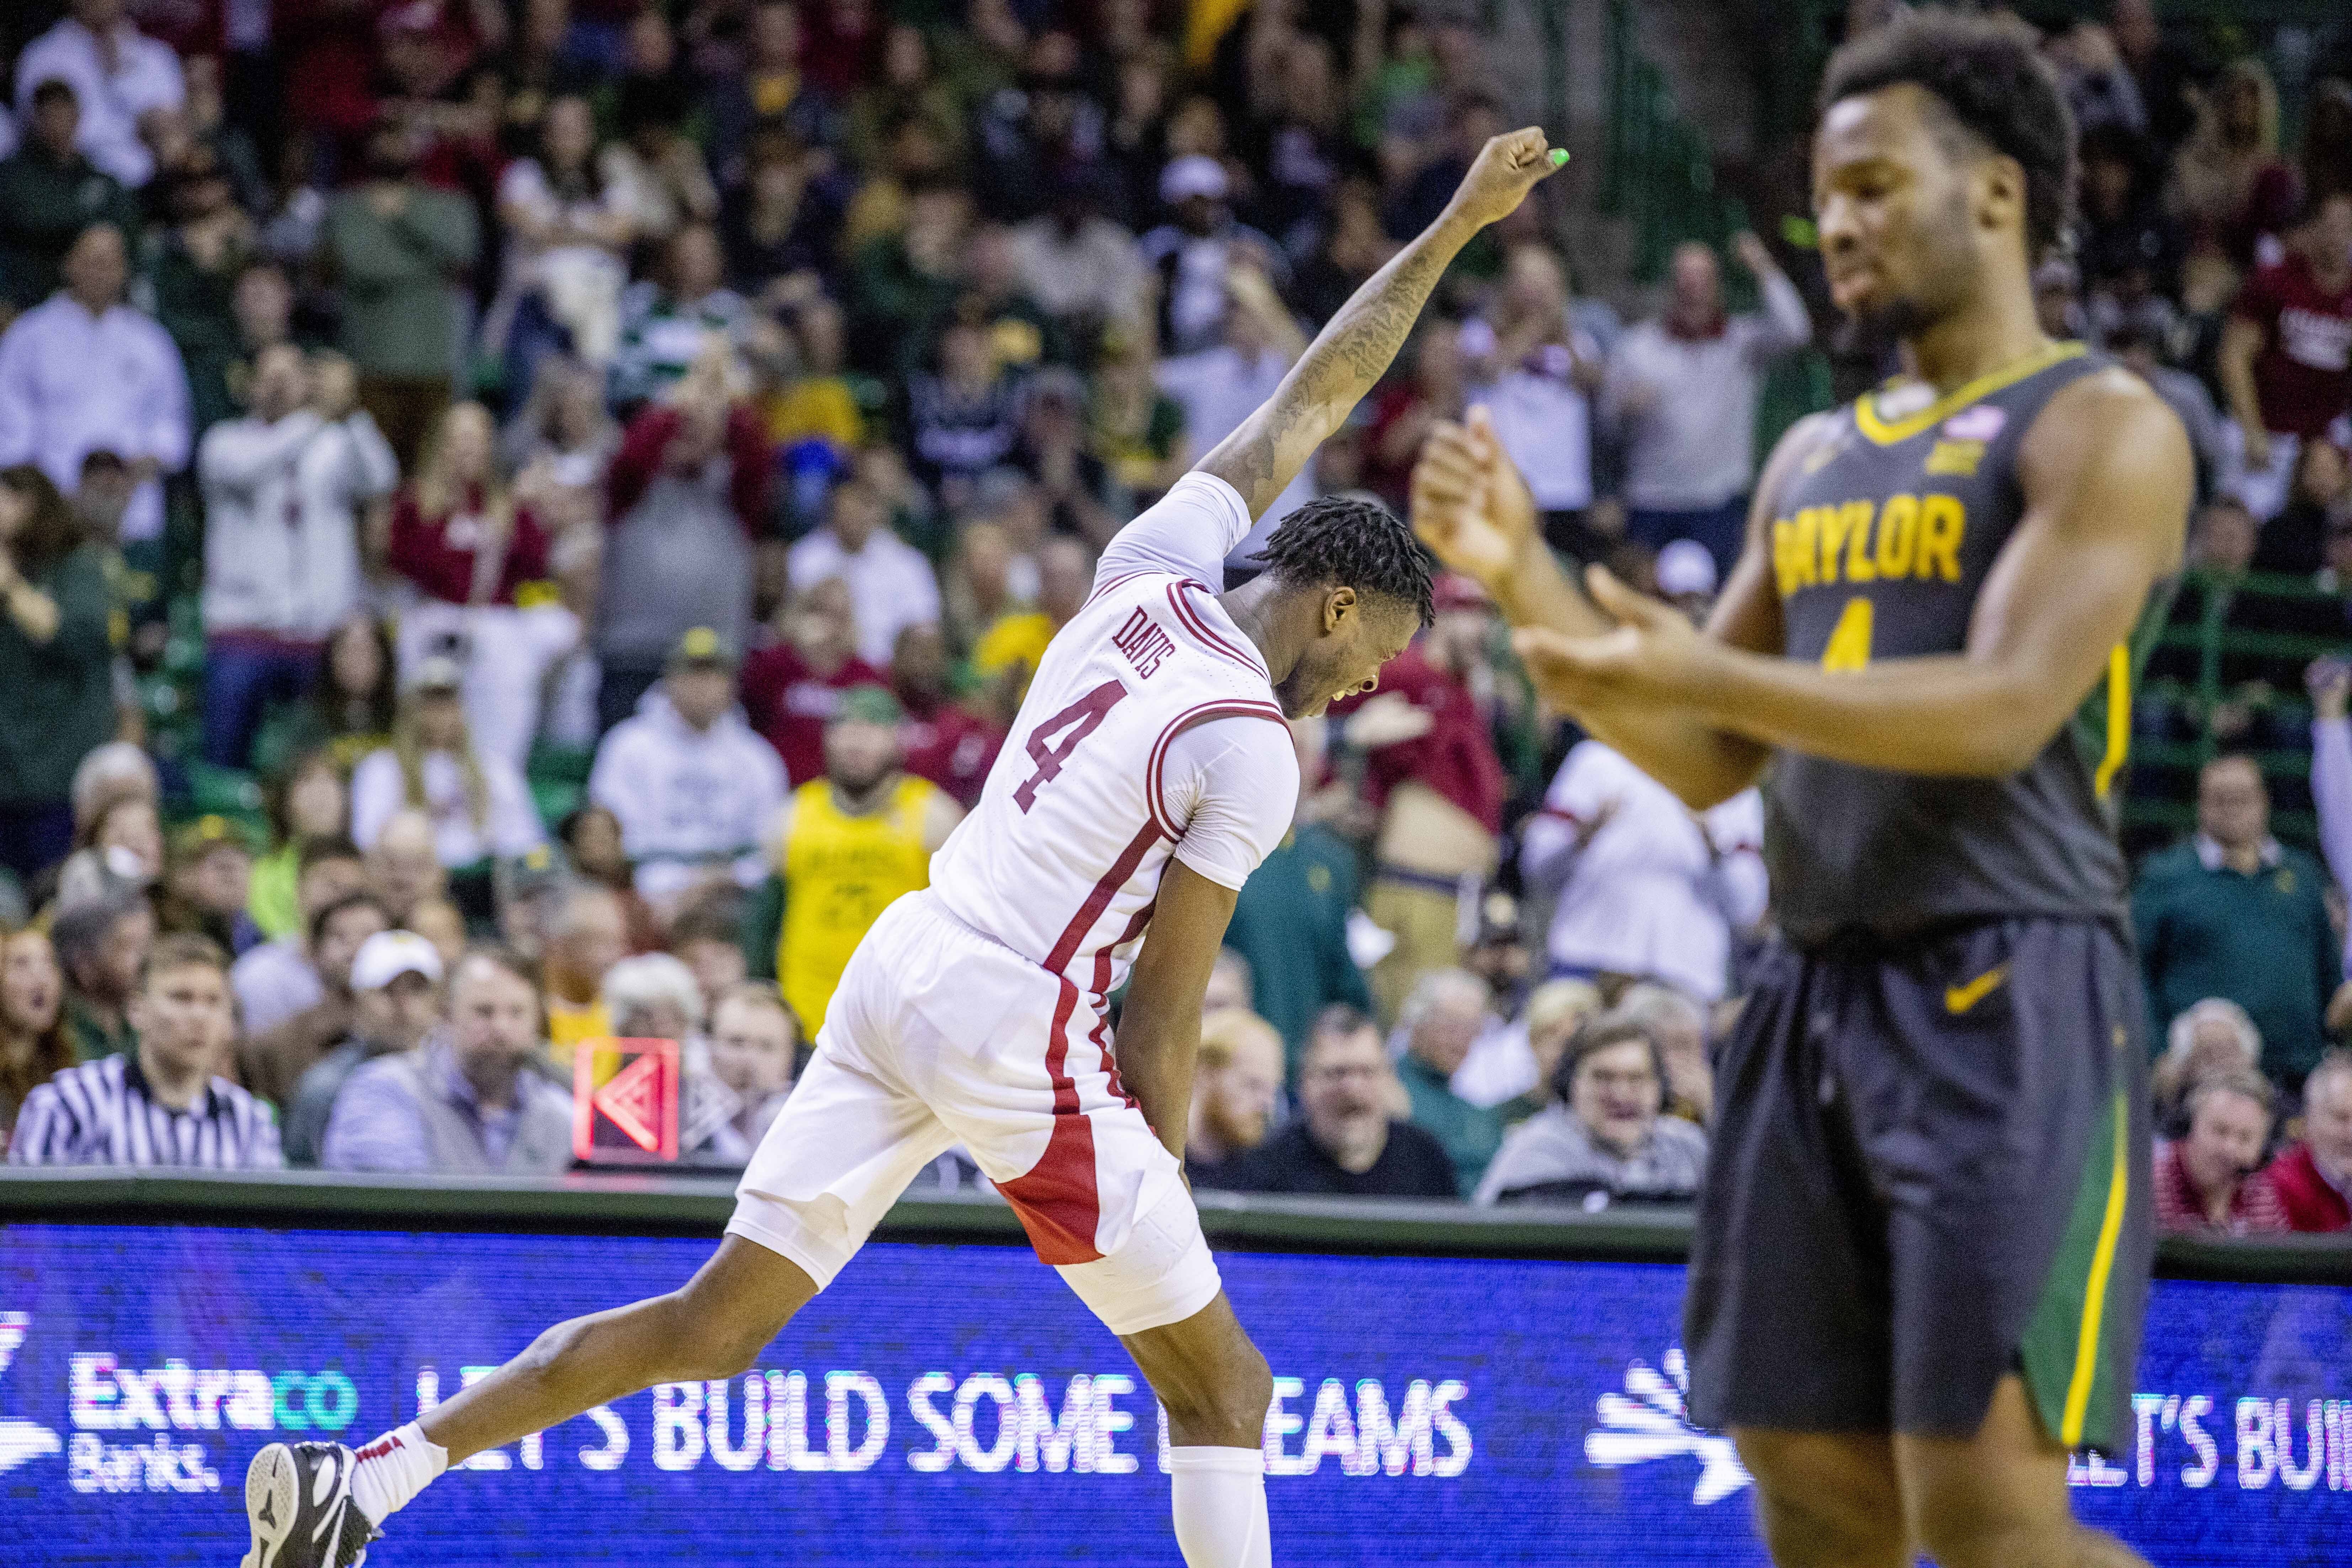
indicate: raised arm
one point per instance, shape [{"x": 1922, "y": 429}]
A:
[
  {"x": 1353, "y": 350},
  {"x": 2107, "y": 477}
]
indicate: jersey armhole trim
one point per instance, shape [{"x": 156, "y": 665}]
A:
[
  {"x": 1179, "y": 602},
  {"x": 1105, "y": 585},
  {"x": 1153, "y": 795}
]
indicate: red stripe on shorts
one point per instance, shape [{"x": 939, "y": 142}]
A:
[
  {"x": 1057, "y": 1198},
  {"x": 1101, "y": 993}
]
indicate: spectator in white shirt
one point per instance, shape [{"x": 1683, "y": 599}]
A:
[
  {"x": 82, "y": 372},
  {"x": 284, "y": 489},
  {"x": 1221, "y": 385},
  {"x": 117, "y": 74},
  {"x": 692, "y": 785},
  {"x": 891, "y": 586},
  {"x": 1647, "y": 888},
  {"x": 1682, "y": 392},
  {"x": 1195, "y": 256},
  {"x": 1534, "y": 371},
  {"x": 1080, "y": 266},
  {"x": 480, "y": 805}
]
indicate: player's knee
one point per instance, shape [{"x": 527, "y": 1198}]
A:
[
  {"x": 1803, "y": 1527},
  {"x": 720, "y": 1347},
  {"x": 1231, "y": 1407},
  {"x": 1810, "y": 1513}
]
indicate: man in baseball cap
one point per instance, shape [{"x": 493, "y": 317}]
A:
[
  {"x": 700, "y": 647},
  {"x": 207, "y": 876},
  {"x": 1193, "y": 252},
  {"x": 395, "y": 1003},
  {"x": 691, "y": 784}
]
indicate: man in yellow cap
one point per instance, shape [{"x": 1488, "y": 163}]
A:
[
  {"x": 205, "y": 883},
  {"x": 849, "y": 844}
]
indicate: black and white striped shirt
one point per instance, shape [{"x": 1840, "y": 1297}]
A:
[{"x": 102, "y": 1113}]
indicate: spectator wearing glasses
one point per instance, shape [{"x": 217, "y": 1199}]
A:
[
  {"x": 2211, "y": 1178},
  {"x": 1606, "y": 1139},
  {"x": 1348, "y": 1140},
  {"x": 2234, "y": 913}
]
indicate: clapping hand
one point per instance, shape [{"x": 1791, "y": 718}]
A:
[{"x": 1469, "y": 504}]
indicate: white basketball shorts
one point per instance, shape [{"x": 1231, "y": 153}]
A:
[{"x": 939, "y": 1036}]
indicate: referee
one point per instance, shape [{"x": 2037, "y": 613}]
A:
[{"x": 160, "y": 1104}]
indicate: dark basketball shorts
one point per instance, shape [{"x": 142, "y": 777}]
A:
[{"x": 1929, "y": 1169}]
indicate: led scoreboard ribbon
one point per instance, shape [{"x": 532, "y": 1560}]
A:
[{"x": 955, "y": 1403}]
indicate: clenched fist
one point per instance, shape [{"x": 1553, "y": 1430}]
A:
[{"x": 1507, "y": 169}]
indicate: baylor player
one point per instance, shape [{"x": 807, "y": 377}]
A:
[{"x": 1924, "y": 1240}]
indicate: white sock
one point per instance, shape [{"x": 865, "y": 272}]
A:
[
  {"x": 394, "y": 1468},
  {"x": 1220, "y": 1507}
]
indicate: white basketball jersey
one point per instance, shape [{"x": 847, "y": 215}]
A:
[{"x": 1060, "y": 859}]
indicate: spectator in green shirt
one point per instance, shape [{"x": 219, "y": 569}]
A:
[
  {"x": 401, "y": 249},
  {"x": 2233, "y": 913},
  {"x": 49, "y": 193},
  {"x": 57, "y": 698},
  {"x": 1441, "y": 1020}
]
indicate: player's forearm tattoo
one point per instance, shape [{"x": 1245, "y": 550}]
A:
[{"x": 1346, "y": 359}]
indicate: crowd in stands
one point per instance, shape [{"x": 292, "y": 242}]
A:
[{"x": 609, "y": 470}]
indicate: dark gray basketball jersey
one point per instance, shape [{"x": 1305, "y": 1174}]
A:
[{"x": 1880, "y": 541}]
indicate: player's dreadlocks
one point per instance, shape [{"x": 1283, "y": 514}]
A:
[
  {"x": 1355, "y": 543},
  {"x": 1989, "y": 77}
]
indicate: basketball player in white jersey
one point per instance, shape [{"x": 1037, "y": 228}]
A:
[{"x": 1147, "y": 776}]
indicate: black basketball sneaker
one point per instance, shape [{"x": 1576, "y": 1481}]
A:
[{"x": 298, "y": 1499}]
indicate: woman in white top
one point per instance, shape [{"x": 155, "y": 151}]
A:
[
  {"x": 567, "y": 240},
  {"x": 478, "y": 805}
]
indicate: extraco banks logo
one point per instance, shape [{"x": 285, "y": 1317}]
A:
[
  {"x": 159, "y": 1404},
  {"x": 20, "y": 1441},
  {"x": 1651, "y": 1421}
]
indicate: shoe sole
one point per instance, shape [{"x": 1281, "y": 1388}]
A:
[{"x": 270, "y": 1489}]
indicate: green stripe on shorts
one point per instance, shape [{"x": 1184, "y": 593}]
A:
[{"x": 2067, "y": 1351}]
